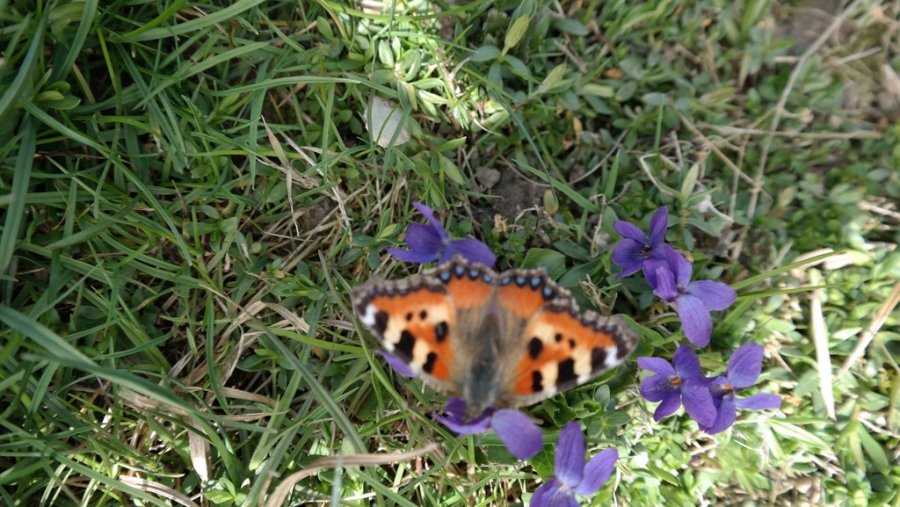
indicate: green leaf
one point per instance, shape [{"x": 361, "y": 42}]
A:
[
  {"x": 783, "y": 269},
  {"x": 606, "y": 92},
  {"x": 578, "y": 274},
  {"x": 515, "y": 33},
  {"x": 690, "y": 182},
  {"x": 616, "y": 419},
  {"x": 874, "y": 450},
  {"x": 572, "y": 27},
  {"x": 452, "y": 144},
  {"x": 552, "y": 79},
  {"x": 198, "y": 24},
  {"x": 442, "y": 164},
  {"x": 324, "y": 28},
  {"x": 551, "y": 203},
  {"x": 662, "y": 474},
  {"x": 389, "y": 231},
  {"x": 22, "y": 80},
  {"x": 385, "y": 55},
  {"x": 626, "y": 91},
  {"x": 48, "y": 96},
  {"x": 485, "y": 53},
  {"x": 792, "y": 432},
  {"x": 230, "y": 225},
  {"x": 554, "y": 261},
  {"x": 518, "y": 66}
]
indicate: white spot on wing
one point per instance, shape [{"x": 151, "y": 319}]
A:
[
  {"x": 582, "y": 366},
  {"x": 612, "y": 357},
  {"x": 420, "y": 353},
  {"x": 368, "y": 318},
  {"x": 548, "y": 375},
  {"x": 544, "y": 331}
]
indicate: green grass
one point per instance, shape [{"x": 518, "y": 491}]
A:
[{"x": 189, "y": 190}]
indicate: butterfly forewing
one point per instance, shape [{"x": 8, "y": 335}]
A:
[
  {"x": 414, "y": 320},
  {"x": 470, "y": 286}
]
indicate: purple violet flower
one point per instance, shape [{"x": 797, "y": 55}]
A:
[
  {"x": 516, "y": 430},
  {"x": 572, "y": 475},
  {"x": 429, "y": 243},
  {"x": 399, "y": 367},
  {"x": 742, "y": 372},
  {"x": 671, "y": 281},
  {"x": 670, "y": 386},
  {"x": 636, "y": 248}
]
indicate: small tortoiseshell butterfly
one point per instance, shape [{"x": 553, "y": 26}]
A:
[{"x": 496, "y": 340}]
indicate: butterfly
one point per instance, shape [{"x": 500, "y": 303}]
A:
[{"x": 500, "y": 340}]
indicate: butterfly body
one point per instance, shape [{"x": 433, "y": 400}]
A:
[{"x": 494, "y": 339}]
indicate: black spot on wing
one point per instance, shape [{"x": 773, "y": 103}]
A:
[
  {"x": 429, "y": 362},
  {"x": 441, "y": 330},
  {"x": 537, "y": 382},
  {"x": 566, "y": 373},
  {"x": 404, "y": 347},
  {"x": 535, "y": 347},
  {"x": 381, "y": 321},
  {"x": 598, "y": 358}
]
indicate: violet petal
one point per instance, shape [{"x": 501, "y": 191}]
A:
[
  {"x": 570, "y": 455},
  {"x": 663, "y": 282},
  {"x": 698, "y": 401},
  {"x": 680, "y": 266},
  {"x": 424, "y": 239},
  {"x": 659, "y": 222},
  {"x": 628, "y": 255},
  {"x": 410, "y": 256},
  {"x": 656, "y": 365},
  {"x": 455, "y": 410},
  {"x": 725, "y": 416},
  {"x": 597, "y": 471},
  {"x": 716, "y": 386},
  {"x": 686, "y": 363},
  {"x": 668, "y": 406},
  {"x": 541, "y": 497},
  {"x": 471, "y": 249},
  {"x": 630, "y": 231},
  {"x": 563, "y": 498},
  {"x": 650, "y": 267},
  {"x": 429, "y": 215},
  {"x": 397, "y": 364},
  {"x": 761, "y": 401},
  {"x": 480, "y": 425},
  {"x": 695, "y": 320},
  {"x": 657, "y": 388},
  {"x": 456, "y": 407},
  {"x": 745, "y": 365},
  {"x": 519, "y": 434},
  {"x": 715, "y": 295}
]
